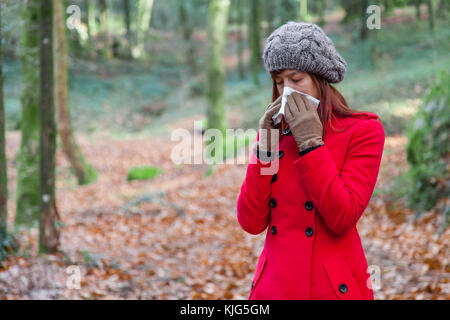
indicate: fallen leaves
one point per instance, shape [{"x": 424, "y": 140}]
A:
[{"x": 177, "y": 236}]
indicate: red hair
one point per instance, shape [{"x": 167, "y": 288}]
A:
[{"x": 332, "y": 103}]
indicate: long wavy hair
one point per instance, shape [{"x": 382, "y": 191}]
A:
[{"x": 332, "y": 103}]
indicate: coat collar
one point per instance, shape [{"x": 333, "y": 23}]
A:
[{"x": 340, "y": 122}]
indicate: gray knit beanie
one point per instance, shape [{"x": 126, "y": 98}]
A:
[{"x": 305, "y": 47}]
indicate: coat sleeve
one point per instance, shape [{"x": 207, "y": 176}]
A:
[
  {"x": 342, "y": 197},
  {"x": 253, "y": 210}
]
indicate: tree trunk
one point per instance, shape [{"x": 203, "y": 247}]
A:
[
  {"x": 442, "y": 9},
  {"x": 255, "y": 39},
  {"x": 186, "y": 31},
  {"x": 217, "y": 22},
  {"x": 91, "y": 21},
  {"x": 105, "y": 36},
  {"x": 28, "y": 196},
  {"x": 83, "y": 171},
  {"x": 127, "y": 16},
  {"x": 303, "y": 11},
  {"x": 352, "y": 9},
  {"x": 270, "y": 13},
  {"x": 364, "y": 30},
  {"x": 417, "y": 5},
  {"x": 92, "y": 29},
  {"x": 127, "y": 20},
  {"x": 430, "y": 14},
  {"x": 144, "y": 14},
  {"x": 3, "y": 167},
  {"x": 321, "y": 12},
  {"x": 288, "y": 11},
  {"x": 373, "y": 48},
  {"x": 240, "y": 17},
  {"x": 49, "y": 217},
  {"x": 387, "y": 7}
]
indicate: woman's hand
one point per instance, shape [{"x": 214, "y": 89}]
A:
[
  {"x": 304, "y": 122},
  {"x": 266, "y": 125}
]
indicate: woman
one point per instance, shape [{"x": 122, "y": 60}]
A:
[{"x": 328, "y": 162}]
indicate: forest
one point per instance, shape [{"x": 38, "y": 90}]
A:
[{"x": 94, "y": 92}]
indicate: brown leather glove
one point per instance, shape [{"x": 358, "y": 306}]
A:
[
  {"x": 304, "y": 122},
  {"x": 266, "y": 124}
]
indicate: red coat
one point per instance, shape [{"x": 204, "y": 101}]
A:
[{"x": 311, "y": 206}]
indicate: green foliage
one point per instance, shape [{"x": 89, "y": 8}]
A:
[
  {"x": 230, "y": 148},
  {"x": 209, "y": 171},
  {"x": 28, "y": 189},
  {"x": 143, "y": 173},
  {"x": 11, "y": 27},
  {"x": 236, "y": 142},
  {"x": 91, "y": 260},
  {"x": 8, "y": 246},
  {"x": 352, "y": 10},
  {"x": 91, "y": 175},
  {"x": 428, "y": 148},
  {"x": 232, "y": 145},
  {"x": 112, "y": 95}
]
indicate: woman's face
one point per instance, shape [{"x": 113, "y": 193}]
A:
[{"x": 297, "y": 80}]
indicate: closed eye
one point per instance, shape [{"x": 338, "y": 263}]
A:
[{"x": 294, "y": 80}]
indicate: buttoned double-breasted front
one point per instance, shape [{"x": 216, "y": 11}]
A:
[{"x": 310, "y": 206}]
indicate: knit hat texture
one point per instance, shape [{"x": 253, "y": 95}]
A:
[{"x": 305, "y": 47}]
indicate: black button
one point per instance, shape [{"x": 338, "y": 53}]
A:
[
  {"x": 343, "y": 288},
  {"x": 273, "y": 230},
  {"x": 309, "y": 205},
  {"x": 280, "y": 154},
  {"x": 287, "y": 131},
  {"x": 253, "y": 283},
  {"x": 273, "y": 202},
  {"x": 309, "y": 231},
  {"x": 274, "y": 178}
]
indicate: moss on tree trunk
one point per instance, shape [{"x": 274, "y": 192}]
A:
[
  {"x": 3, "y": 168},
  {"x": 240, "y": 17},
  {"x": 84, "y": 172},
  {"x": 184, "y": 8},
  {"x": 215, "y": 85},
  {"x": 255, "y": 40},
  {"x": 49, "y": 218},
  {"x": 27, "y": 209},
  {"x": 143, "y": 17}
]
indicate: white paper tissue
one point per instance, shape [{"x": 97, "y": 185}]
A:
[{"x": 286, "y": 92}]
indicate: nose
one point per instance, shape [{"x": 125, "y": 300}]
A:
[{"x": 287, "y": 82}]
